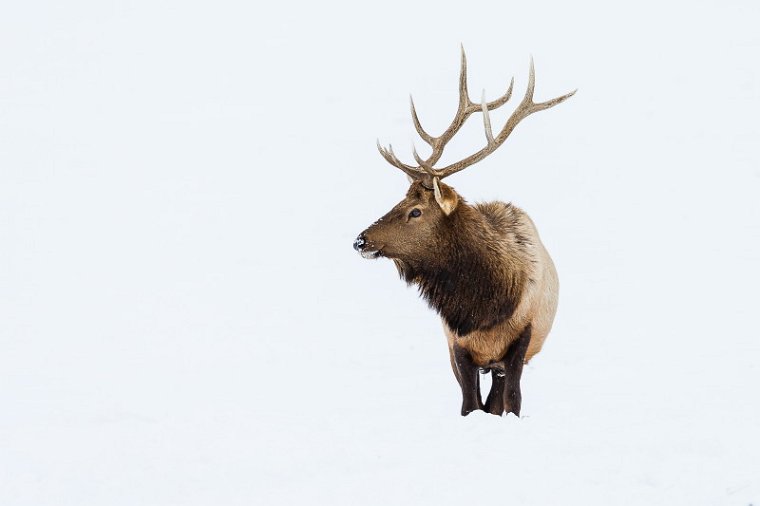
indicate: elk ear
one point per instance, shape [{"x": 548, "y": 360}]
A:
[{"x": 445, "y": 196}]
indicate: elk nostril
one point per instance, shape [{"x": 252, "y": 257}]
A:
[{"x": 359, "y": 243}]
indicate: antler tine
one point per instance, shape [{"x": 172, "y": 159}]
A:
[
  {"x": 495, "y": 104},
  {"x": 464, "y": 95},
  {"x": 464, "y": 109},
  {"x": 427, "y": 169},
  {"x": 535, "y": 107},
  {"x": 417, "y": 126},
  {"x": 527, "y": 101},
  {"x": 486, "y": 119},
  {"x": 525, "y": 109},
  {"x": 528, "y": 98},
  {"x": 416, "y": 156},
  {"x": 391, "y": 158}
]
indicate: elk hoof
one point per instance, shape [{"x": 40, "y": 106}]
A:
[
  {"x": 494, "y": 408},
  {"x": 513, "y": 402},
  {"x": 467, "y": 409}
]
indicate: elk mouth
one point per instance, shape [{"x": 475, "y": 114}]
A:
[{"x": 370, "y": 254}]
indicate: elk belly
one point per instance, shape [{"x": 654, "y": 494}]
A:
[{"x": 486, "y": 346}]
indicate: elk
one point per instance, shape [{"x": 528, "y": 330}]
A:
[{"x": 481, "y": 267}]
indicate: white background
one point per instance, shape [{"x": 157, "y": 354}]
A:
[{"x": 183, "y": 320}]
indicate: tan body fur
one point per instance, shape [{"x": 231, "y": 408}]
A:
[{"x": 538, "y": 303}]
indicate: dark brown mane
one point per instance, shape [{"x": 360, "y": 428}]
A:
[{"x": 466, "y": 278}]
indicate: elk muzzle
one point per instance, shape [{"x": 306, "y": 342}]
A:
[
  {"x": 362, "y": 246},
  {"x": 360, "y": 242}
]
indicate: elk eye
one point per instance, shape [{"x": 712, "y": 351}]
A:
[{"x": 415, "y": 213}]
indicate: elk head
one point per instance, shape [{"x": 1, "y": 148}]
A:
[{"x": 413, "y": 229}]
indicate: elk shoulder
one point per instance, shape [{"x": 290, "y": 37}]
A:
[{"x": 520, "y": 260}]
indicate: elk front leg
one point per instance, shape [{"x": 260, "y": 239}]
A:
[
  {"x": 513, "y": 366},
  {"x": 468, "y": 380}
]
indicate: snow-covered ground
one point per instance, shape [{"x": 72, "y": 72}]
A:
[{"x": 183, "y": 320}]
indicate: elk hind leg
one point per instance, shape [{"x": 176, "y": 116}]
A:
[{"x": 513, "y": 367}]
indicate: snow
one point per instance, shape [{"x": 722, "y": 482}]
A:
[{"x": 183, "y": 319}]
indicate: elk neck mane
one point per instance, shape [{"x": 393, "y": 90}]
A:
[{"x": 475, "y": 273}]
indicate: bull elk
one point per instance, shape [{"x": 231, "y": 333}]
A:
[{"x": 482, "y": 267}]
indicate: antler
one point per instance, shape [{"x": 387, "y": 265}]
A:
[{"x": 425, "y": 171}]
